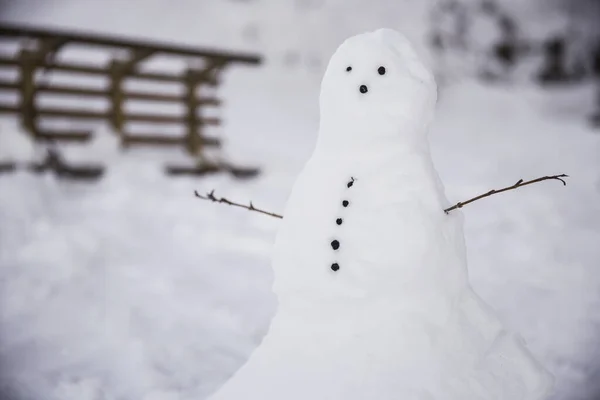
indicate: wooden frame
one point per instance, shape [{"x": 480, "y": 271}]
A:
[{"x": 48, "y": 43}]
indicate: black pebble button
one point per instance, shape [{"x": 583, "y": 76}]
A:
[
  {"x": 345, "y": 203},
  {"x": 381, "y": 70},
  {"x": 338, "y": 221},
  {"x": 350, "y": 183},
  {"x": 335, "y": 245},
  {"x": 335, "y": 266},
  {"x": 363, "y": 89}
]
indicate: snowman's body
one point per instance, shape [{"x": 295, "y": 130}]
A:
[{"x": 370, "y": 273}]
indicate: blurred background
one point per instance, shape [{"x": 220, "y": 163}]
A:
[{"x": 116, "y": 283}]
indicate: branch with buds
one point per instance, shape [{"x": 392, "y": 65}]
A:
[
  {"x": 515, "y": 186},
  {"x": 211, "y": 195}
]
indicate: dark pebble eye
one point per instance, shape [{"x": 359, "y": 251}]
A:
[
  {"x": 381, "y": 70},
  {"x": 349, "y": 69}
]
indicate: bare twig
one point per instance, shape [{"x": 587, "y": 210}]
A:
[
  {"x": 211, "y": 196},
  {"x": 516, "y": 185}
]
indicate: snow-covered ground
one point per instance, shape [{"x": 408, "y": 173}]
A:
[{"x": 132, "y": 289}]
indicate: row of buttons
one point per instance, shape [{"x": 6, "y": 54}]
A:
[{"x": 335, "y": 244}]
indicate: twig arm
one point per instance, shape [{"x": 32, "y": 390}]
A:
[
  {"x": 519, "y": 184},
  {"x": 211, "y": 197}
]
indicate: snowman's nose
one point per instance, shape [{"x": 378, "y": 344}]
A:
[{"x": 363, "y": 89}]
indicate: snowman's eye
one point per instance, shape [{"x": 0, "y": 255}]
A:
[
  {"x": 381, "y": 70},
  {"x": 349, "y": 69}
]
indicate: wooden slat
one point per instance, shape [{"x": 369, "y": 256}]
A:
[
  {"x": 152, "y": 97},
  {"x": 131, "y": 140},
  {"x": 9, "y": 85},
  {"x": 202, "y": 169},
  {"x": 129, "y": 95},
  {"x": 87, "y": 92},
  {"x": 8, "y": 30},
  {"x": 64, "y": 136},
  {"x": 193, "y": 170},
  {"x": 242, "y": 172},
  {"x": 6, "y": 109},
  {"x": 97, "y": 115},
  {"x": 208, "y": 101},
  {"x": 81, "y": 114},
  {"x": 91, "y": 70},
  {"x": 169, "y": 119},
  {"x": 210, "y": 121},
  {"x": 154, "y": 140}
]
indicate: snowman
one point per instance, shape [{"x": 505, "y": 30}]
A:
[{"x": 370, "y": 272}]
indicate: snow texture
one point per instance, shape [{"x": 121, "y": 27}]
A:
[
  {"x": 370, "y": 272},
  {"x": 132, "y": 289}
]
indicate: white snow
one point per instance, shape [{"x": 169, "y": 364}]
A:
[{"x": 133, "y": 289}]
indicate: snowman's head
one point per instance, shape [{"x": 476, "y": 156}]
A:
[{"x": 376, "y": 88}]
